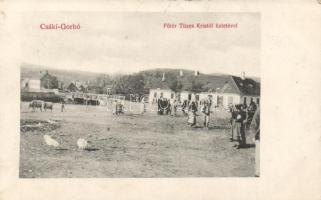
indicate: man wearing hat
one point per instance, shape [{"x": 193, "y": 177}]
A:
[{"x": 240, "y": 125}]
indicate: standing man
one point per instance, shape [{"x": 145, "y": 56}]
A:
[
  {"x": 233, "y": 119},
  {"x": 206, "y": 111},
  {"x": 159, "y": 106},
  {"x": 62, "y": 106},
  {"x": 184, "y": 105},
  {"x": 192, "y": 109},
  {"x": 240, "y": 126},
  {"x": 251, "y": 111},
  {"x": 173, "y": 107},
  {"x": 255, "y": 127},
  {"x": 168, "y": 107}
]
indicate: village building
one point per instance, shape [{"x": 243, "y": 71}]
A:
[
  {"x": 31, "y": 84},
  {"x": 72, "y": 88},
  {"x": 78, "y": 86},
  {"x": 40, "y": 83},
  {"x": 222, "y": 90},
  {"x": 161, "y": 91}
]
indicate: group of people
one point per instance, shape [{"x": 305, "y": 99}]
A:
[
  {"x": 167, "y": 107},
  {"x": 189, "y": 108},
  {"x": 241, "y": 118},
  {"x": 205, "y": 110},
  {"x": 244, "y": 118}
]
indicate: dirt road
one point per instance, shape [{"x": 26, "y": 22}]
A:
[{"x": 129, "y": 145}]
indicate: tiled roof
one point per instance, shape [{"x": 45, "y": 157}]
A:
[
  {"x": 247, "y": 86},
  {"x": 215, "y": 83}
]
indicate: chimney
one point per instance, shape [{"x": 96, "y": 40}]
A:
[
  {"x": 180, "y": 72},
  {"x": 243, "y": 76}
]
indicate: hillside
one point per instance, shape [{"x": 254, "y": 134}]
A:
[
  {"x": 65, "y": 76},
  {"x": 139, "y": 82}
]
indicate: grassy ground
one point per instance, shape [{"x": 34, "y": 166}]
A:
[{"x": 129, "y": 145}]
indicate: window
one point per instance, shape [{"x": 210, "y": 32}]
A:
[
  {"x": 258, "y": 101},
  {"x": 230, "y": 100},
  {"x": 155, "y": 94},
  {"x": 244, "y": 101},
  {"x": 172, "y": 95},
  {"x": 197, "y": 97},
  {"x": 161, "y": 94},
  {"x": 220, "y": 101}
]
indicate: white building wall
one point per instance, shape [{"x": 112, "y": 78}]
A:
[
  {"x": 248, "y": 99},
  {"x": 34, "y": 84},
  {"x": 166, "y": 94},
  {"x": 184, "y": 95},
  {"x": 204, "y": 95},
  {"x": 235, "y": 99}
]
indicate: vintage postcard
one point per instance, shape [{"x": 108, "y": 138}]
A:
[
  {"x": 117, "y": 95},
  {"x": 114, "y": 101}
]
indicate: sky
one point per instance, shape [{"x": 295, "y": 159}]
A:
[{"x": 127, "y": 42}]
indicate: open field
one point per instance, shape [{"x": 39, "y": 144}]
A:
[{"x": 129, "y": 145}]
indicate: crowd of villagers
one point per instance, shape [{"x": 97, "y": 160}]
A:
[{"x": 241, "y": 115}]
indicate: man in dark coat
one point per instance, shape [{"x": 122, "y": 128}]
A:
[
  {"x": 184, "y": 105},
  {"x": 159, "y": 106},
  {"x": 255, "y": 127},
  {"x": 240, "y": 125},
  {"x": 233, "y": 120}
]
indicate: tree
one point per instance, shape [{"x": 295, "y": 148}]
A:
[
  {"x": 129, "y": 84},
  {"x": 196, "y": 85},
  {"x": 103, "y": 79},
  {"x": 49, "y": 81},
  {"x": 136, "y": 84}
]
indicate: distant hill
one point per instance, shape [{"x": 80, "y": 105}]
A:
[
  {"x": 139, "y": 81},
  {"x": 66, "y": 76}
]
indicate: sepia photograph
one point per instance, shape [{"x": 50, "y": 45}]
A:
[{"x": 140, "y": 95}]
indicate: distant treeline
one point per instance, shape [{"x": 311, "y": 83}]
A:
[
  {"x": 44, "y": 96},
  {"x": 131, "y": 84}
]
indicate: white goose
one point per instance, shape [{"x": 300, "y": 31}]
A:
[
  {"x": 49, "y": 141},
  {"x": 82, "y": 143}
]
